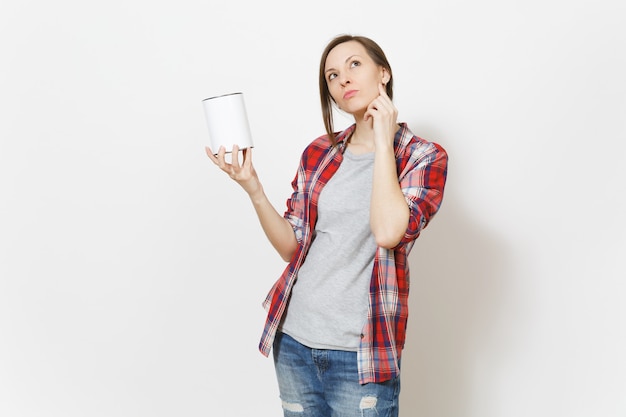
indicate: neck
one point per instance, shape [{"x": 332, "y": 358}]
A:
[
  {"x": 361, "y": 141},
  {"x": 363, "y": 134}
]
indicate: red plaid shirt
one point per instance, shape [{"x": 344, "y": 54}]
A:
[{"x": 422, "y": 170}]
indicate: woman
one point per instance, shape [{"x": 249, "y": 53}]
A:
[{"x": 337, "y": 315}]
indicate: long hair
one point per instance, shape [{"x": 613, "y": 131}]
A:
[{"x": 373, "y": 50}]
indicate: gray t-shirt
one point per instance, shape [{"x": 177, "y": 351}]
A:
[{"x": 329, "y": 301}]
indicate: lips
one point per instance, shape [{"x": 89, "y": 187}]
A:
[{"x": 349, "y": 94}]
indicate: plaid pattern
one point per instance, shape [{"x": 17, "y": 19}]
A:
[{"x": 422, "y": 171}]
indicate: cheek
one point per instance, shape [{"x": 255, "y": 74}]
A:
[
  {"x": 373, "y": 91},
  {"x": 335, "y": 92}
]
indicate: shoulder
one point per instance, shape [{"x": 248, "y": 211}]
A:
[
  {"x": 411, "y": 146},
  {"x": 315, "y": 151},
  {"x": 321, "y": 142},
  {"x": 321, "y": 146}
]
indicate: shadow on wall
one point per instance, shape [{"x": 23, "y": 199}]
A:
[{"x": 457, "y": 289}]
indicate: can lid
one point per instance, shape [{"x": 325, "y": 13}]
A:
[{"x": 221, "y": 95}]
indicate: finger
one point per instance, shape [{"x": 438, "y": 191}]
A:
[
  {"x": 235, "y": 157},
  {"x": 384, "y": 96},
  {"x": 210, "y": 154},
  {"x": 221, "y": 157},
  {"x": 382, "y": 89},
  {"x": 383, "y": 93},
  {"x": 372, "y": 109},
  {"x": 384, "y": 104}
]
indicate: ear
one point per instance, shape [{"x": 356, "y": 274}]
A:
[{"x": 385, "y": 76}]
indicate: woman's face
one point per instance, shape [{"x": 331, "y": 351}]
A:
[{"x": 352, "y": 77}]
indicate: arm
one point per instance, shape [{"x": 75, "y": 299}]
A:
[
  {"x": 277, "y": 229},
  {"x": 389, "y": 211},
  {"x": 423, "y": 182}
]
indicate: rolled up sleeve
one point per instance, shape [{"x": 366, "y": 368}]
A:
[{"x": 422, "y": 183}]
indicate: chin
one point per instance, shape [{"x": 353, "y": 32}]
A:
[{"x": 354, "y": 109}]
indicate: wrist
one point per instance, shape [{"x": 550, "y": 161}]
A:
[
  {"x": 257, "y": 195},
  {"x": 385, "y": 147}
]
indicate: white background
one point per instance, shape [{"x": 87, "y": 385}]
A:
[{"x": 132, "y": 270}]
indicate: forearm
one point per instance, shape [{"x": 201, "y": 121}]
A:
[
  {"x": 277, "y": 229},
  {"x": 389, "y": 211}
]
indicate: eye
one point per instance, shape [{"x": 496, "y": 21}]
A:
[
  {"x": 355, "y": 63},
  {"x": 331, "y": 76}
]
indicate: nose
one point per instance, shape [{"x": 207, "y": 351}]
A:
[{"x": 344, "y": 79}]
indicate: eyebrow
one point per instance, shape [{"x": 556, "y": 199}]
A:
[{"x": 347, "y": 59}]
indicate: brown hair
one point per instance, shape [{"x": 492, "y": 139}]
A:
[{"x": 373, "y": 50}]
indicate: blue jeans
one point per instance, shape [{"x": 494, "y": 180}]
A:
[{"x": 325, "y": 383}]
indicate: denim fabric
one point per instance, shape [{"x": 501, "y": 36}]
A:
[{"x": 325, "y": 383}]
